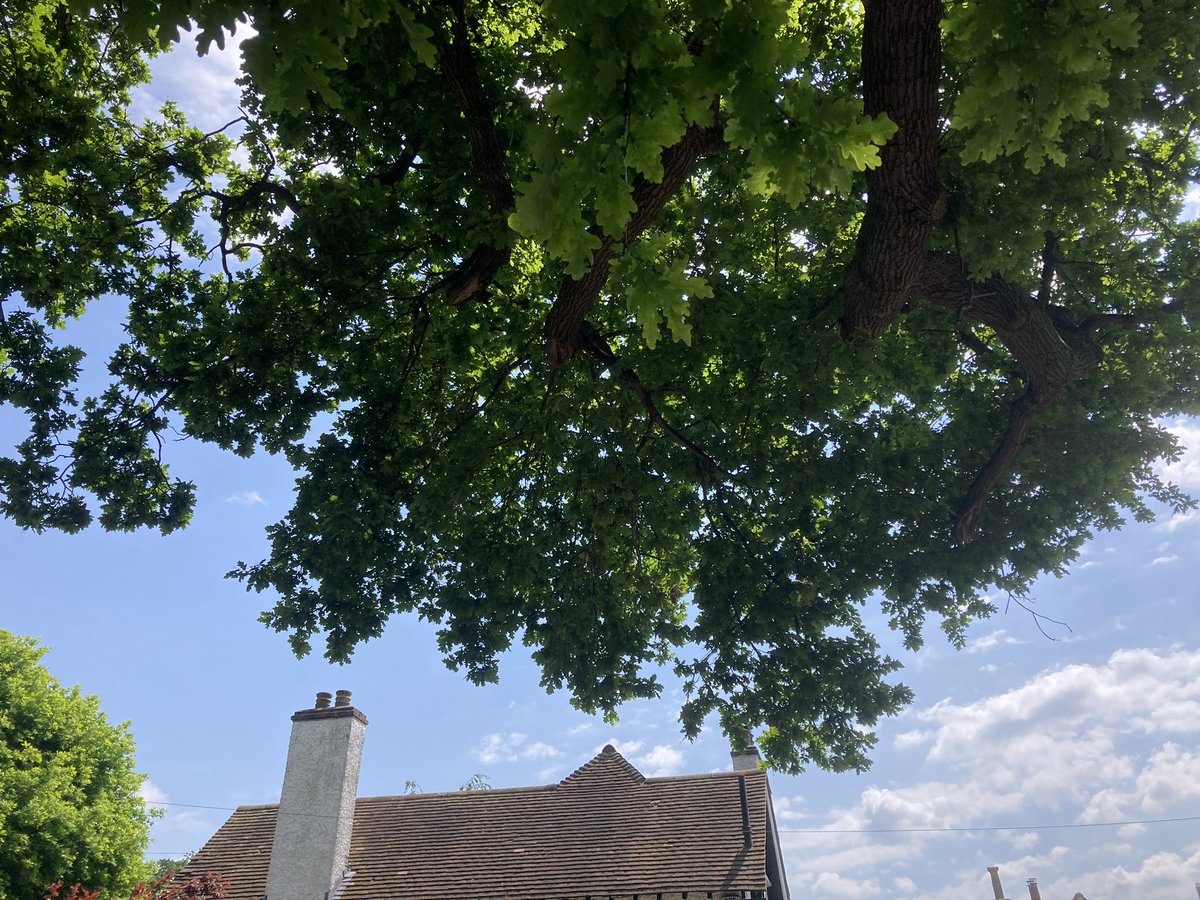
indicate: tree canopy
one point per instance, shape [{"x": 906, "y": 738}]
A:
[
  {"x": 69, "y": 804},
  {"x": 638, "y": 331}
]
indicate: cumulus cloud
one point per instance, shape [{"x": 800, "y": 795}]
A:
[
  {"x": 1191, "y": 204},
  {"x": 626, "y": 748},
  {"x": 246, "y": 499},
  {"x": 1088, "y": 744},
  {"x": 1192, "y": 517},
  {"x": 512, "y": 747},
  {"x": 1164, "y": 560},
  {"x": 1161, "y": 874},
  {"x": 830, "y": 884},
  {"x": 1185, "y": 471},
  {"x": 988, "y": 641},
  {"x": 152, "y": 793},
  {"x": 662, "y": 760},
  {"x": 914, "y": 738},
  {"x": 202, "y": 86}
]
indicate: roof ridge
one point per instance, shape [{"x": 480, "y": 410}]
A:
[
  {"x": 482, "y": 792},
  {"x": 696, "y": 776},
  {"x": 608, "y": 760}
]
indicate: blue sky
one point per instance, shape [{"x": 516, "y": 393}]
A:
[{"x": 1098, "y": 726}]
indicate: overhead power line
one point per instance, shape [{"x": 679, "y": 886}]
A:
[{"x": 986, "y": 827}]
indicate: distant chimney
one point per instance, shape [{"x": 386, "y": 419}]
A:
[
  {"x": 316, "y": 806},
  {"x": 1034, "y": 893},
  {"x": 994, "y": 871},
  {"x": 748, "y": 759}
]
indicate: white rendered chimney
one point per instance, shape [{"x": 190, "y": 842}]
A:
[
  {"x": 748, "y": 759},
  {"x": 316, "y": 806}
]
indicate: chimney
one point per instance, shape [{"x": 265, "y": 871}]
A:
[
  {"x": 748, "y": 759},
  {"x": 994, "y": 871},
  {"x": 316, "y": 806},
  {"x": 1034, "y": 893}
]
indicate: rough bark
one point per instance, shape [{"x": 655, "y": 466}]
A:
[
  {"x": 902, "y": 68},
  {"x": 893, "y": 266},
  {"x": 1052, "y": 350}
]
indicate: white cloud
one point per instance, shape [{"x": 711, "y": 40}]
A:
[
  {"x": 202, "y": 86},
  {"x": 626, "y": 748},
  {"x": 1107, "y": 742},
  {"x": 1160, "y": 874},
  {"x": 512, "y": 747},
  {"x": 1164, "y": 560},
  {"x": 1185, "y": 471},
  {"x": 830, "y": 884},
  {"x": 1180, "y": 520},
  {"x": 988, "y": 641},
  {"x": 152, "y": 793},
  {"x": 247, "y": 499},
  {"x": 1191, "y": 203},
  {"x": 581, "y": 728},
  {"x": 908, "y": 739},
  {"x": 660, "y": 761}
]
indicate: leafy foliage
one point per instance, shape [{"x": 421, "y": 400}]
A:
[
  {"x": 166, "y": 885},
  {"x": 927, "y": 310},
  {"x": 69, "y": 807}
]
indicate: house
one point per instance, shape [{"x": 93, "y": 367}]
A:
[{"x": 604, "y": 831}]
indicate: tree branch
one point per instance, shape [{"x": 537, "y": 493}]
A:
[
  {"x": 590, "y": 339},
  {"x": 459, "y": 69},
  {"x": 902, "y": 67},
  {"x": 576, "y": 297},
  {"x": 970, "y": 511}
]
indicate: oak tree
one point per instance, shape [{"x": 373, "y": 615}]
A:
[{"x": 638, "y": 331}]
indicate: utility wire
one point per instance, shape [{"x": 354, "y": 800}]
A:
[{"x": 985, "y": 827}]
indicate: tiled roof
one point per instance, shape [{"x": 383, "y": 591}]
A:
[{"x": 604, "y": 830}]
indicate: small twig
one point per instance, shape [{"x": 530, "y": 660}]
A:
[
  {"x": 1037, "y": 616},
  {"x": 630, "y": 378},
  {"x": 592, "y": 340}
]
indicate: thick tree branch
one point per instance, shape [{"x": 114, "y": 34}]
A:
[
  {"x": 1053, "y": 351},
  {"x": 971, "y": 509},
  {"x": 397, "y": 171},
  {"x": 902, "y": 68},
  {"x": 487, "y": 157},
  {"x": 576, "y": 297}
]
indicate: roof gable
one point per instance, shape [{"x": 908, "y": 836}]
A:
[{"x": 605, "y": 770}]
